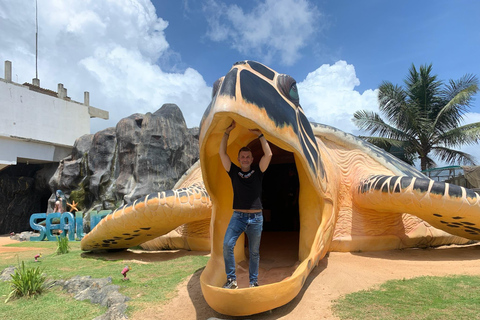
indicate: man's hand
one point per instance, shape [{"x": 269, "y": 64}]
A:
[
  {"x": 256, "y": 131},
  {"x": 231, "y": 127}
]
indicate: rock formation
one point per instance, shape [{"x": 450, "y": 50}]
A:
[{"x": 144, "y": 153}]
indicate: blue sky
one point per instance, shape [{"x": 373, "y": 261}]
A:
[
  {"x": 135, "y": 55},
  {"x": 380, "y": 38}
]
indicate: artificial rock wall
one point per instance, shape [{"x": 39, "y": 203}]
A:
[{"x": 144, "y": 153}]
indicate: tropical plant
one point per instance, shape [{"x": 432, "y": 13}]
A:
[
  {"x": 27, "y": 282},
  {"x": 62, "y": 245},
  {"x": 424, "y": 117}
]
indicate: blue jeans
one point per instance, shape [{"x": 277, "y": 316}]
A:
[{"x": 252, "y": 225}]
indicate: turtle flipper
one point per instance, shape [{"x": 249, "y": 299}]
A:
[
  {"x": 148, "y": 218},
  {"x": 445, "y": 206}
]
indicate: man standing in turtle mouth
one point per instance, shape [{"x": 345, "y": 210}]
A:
[{"x": 247, "y": 205}]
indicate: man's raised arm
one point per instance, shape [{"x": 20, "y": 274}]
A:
[{"x": 226, "y": 162}]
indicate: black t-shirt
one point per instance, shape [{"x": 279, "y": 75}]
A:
[{"x": 247, "y": 187}]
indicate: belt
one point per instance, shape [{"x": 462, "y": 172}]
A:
[{"x": 249, "y": 213}]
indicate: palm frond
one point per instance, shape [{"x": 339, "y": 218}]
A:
[
  {"x": 374, "y": 124},
  {"x": 422, "y": 88},
  {"x": 467, "y": 134},
  {"x": 451, "y": 156},
  {"x": 458, "y": 96}
]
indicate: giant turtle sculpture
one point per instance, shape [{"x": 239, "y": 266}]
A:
[{"x": 351, "y": 195}]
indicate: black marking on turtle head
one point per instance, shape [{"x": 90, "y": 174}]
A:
[
  {"x": 457, "y": 218},
  {"x": 136, "y": 230},
  {"x": 260, "y": 68},
  {"x": 468, "y": 223},
  {"x": 310, "y": 145},
  {"x": 129, "y": 238},
  {"x": 207, "y": 111},
  {"x": 437, "y": 215},
  {"x": 146, "y": 228},
  {"x": 229, "y": 84},
  {"x": 242, "y": 62},
  {"x": 261, "y": 93}
]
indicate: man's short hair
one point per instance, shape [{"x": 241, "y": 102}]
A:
[{"x": 245, "y": 149}]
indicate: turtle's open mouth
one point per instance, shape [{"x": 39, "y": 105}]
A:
[
  {"x": 298, "y": 220},
  {"x": 290, "y": 245},
  {"x": 281, "y": 228}
]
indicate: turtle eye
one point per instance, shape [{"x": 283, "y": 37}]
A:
[
  {"x": 216, "y": 86},
  {"x": 288, "y": 87},
  {"x": 294, "y": 92}
]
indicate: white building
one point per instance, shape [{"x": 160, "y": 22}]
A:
[{"x": 39, "y": 125}]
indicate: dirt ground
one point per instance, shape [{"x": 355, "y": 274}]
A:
[{"x": 336, "y": 275}]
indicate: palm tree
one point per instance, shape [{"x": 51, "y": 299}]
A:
[{"x": 425, "y": 117}]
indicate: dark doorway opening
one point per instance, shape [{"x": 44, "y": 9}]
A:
[
  {"x": 280, "y": 198},
  {"x": 280, "y": 190}
]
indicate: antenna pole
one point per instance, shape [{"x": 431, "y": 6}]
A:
[{"x": 36, "y": 40}]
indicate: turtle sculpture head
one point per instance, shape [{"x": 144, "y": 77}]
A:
[{"x": 257, "y": 97}]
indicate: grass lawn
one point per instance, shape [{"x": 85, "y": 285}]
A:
[
  {"x": 150, "y": 283},
  {"x": 422, "y": 298}
]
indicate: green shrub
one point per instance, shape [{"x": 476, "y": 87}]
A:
[
  {"x": 62, "y": 245},
  {"x": 27, "y": 282}
]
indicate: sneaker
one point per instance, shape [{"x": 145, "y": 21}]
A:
[
  {"x": 231, "y": 284},
  {"x": 253, "y": 284}
]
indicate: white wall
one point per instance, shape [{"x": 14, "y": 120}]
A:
[
  {"x": 37, "y": 127},
  {"x": 35, "y": 116}
]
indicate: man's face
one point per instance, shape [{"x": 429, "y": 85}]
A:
[{"x": 245, "y": 158}]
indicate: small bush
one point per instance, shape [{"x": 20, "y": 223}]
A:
[
  {"x": 26, "y": 282},
  {"x": 62, "y": 245}
]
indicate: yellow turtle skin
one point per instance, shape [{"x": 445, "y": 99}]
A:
[{"x": 352, "y": 196}]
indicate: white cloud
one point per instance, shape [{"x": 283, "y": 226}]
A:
[
  {"x": 109, "y": 48},
  {"x": 328, "y": 96},
  {"x": 272, "y": 28}
]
